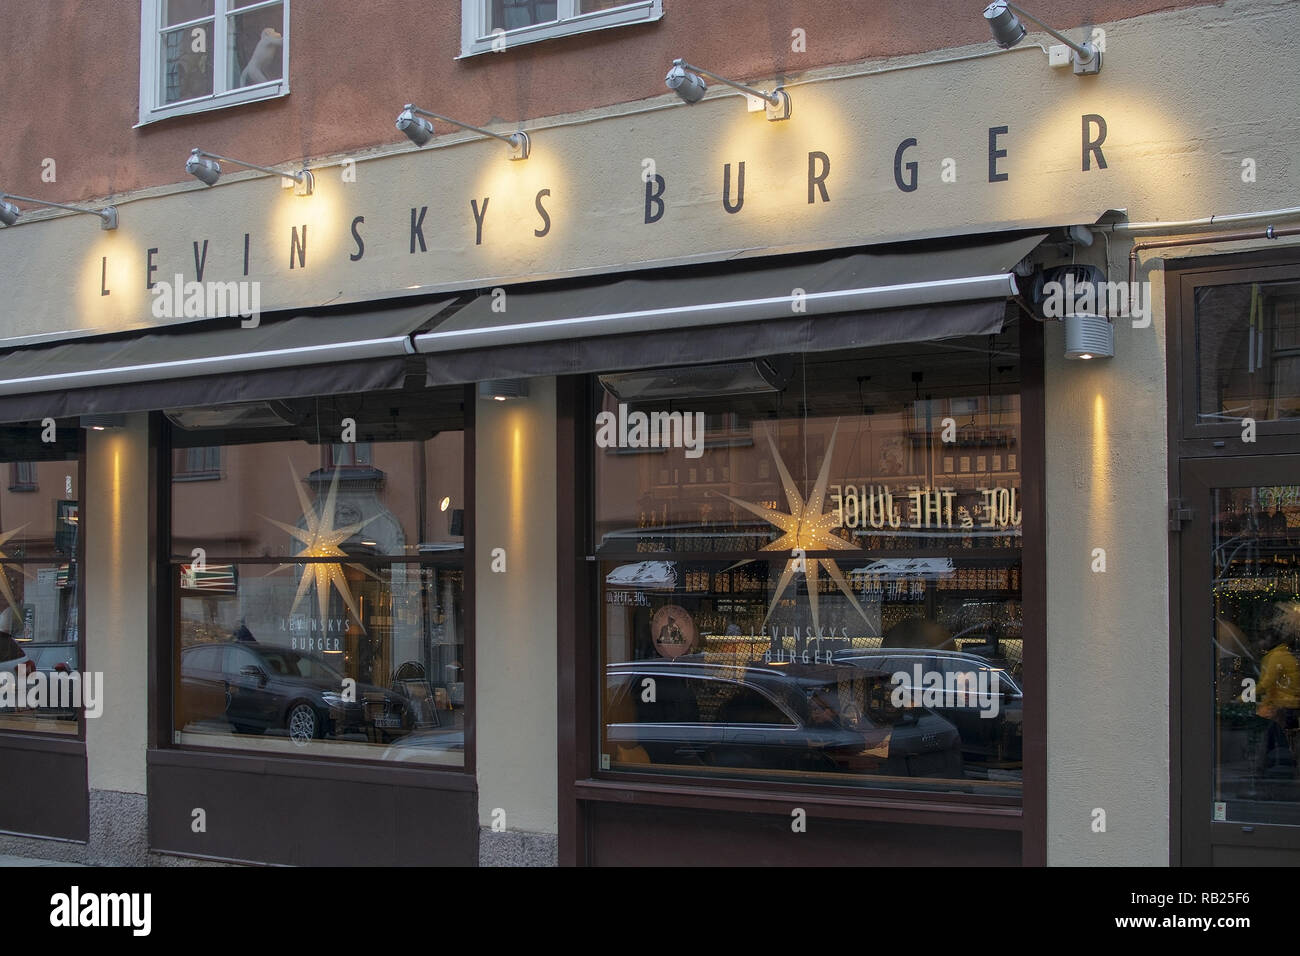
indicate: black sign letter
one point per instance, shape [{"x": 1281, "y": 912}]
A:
[
  {"x": 726, "y": 188},
  {"x": 479, "y": 216},
  {"x": 417, "y": 229},
  {"x": 356, "y": 237},
  {"x": 1093, "y": 146},
  {"x": 906, "y": 185},
  {"x": 995, "y": 154},
  {"x": 541, "y": 211},
  {"x": 818, "y": 180},
  {"x": 300, "y": 248},
  {"x": 200, "y": 263},
  {"x": 654, "y": 197}
]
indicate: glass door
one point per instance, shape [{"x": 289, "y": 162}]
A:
[{"x": 1240, "y": 661}]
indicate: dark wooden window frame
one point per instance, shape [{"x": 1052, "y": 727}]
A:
[
  {"x": 1187, "y": 440},
  {"x": 581, "y": 784}
]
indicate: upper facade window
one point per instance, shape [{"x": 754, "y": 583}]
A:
[
  {"x": 200, "y": 55},
  {"x": 496, "y": 25}
]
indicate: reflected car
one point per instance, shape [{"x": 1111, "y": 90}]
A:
[
  {"x": 443, "y": 747},
  {"x": 993, "y": 739},
  {"x": 771, "y": 717},
  {"x": 263, "y": 687},
  {"x": 51, "y": 659}
]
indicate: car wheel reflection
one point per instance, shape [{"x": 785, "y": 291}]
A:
[{"x": 303, "y": 724}]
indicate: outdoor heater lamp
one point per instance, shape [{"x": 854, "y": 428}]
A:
[
  {"x": 9, "y": 213},
  {"x": 1008, "y": 31},
  {"x": 687, "y": 81},
  {"x": 204, "y": 167},
  {"x": 419, "y": 130},
  {"x": 1088, "y": 336}
]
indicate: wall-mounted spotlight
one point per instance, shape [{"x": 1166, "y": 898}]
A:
[
  {"x": 419, "y": 130},
  {"x": 204, "y": 167},
  {"x": 9, "y": 213},
  {"x": 1089, "y": 336},
  {"x": 1008, "y": 31},
  {"x": 688, "y": 82}
]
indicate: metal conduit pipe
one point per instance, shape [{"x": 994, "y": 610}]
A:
[{"x": 1269, "y": 232}]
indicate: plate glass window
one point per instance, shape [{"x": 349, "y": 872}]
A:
[
  {"x": 1248, "y": 352},
  {"x": 319, "y": 590},
  {"x": 40, "y": 541},
  {"x": 818, "y": 581}
]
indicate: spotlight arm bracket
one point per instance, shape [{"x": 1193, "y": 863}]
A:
[
  {"x": 519, "y": 143},
  {"x": 107, "y": 215},
  {"x": 1086, "y": 51},
  {"x": 776, "y": 98},
  {"x": 302, "y": 177}
]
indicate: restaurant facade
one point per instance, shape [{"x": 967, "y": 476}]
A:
[{"x": 904, "y": 472}]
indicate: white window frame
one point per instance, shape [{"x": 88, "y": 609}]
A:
[
  {"x": 476, "y": 36},
  {"x": 151, "y": 65}
]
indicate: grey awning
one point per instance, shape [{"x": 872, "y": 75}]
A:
[
  {"x": 283, "y": 358},
  {"x": 730, "y": 311}
]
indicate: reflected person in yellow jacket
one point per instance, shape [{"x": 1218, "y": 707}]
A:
[{"x": 1279, "y": 685}]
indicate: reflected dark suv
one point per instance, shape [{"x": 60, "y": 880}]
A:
[
  {"x": 263, "y": 687},
  {"x": 991, "y": 738},
  {"x": 791, "y": 717}
]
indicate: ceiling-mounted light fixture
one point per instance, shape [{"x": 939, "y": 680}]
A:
[
  {"x": 688, "y": 82},
  {"x": 701, "y": 381},
  {"x": 419, "y": 130},
  {"x": 9, "y": 213},
  {"x": 1008, "y": 31},
  {"x": 503, "y": 389},
  {"x": 100, "y": 423},
  {"x": 204, "y": 166},
  {"x": 1089, "y": 336}
]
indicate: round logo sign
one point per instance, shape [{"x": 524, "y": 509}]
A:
[{"x": 673, "y": 631}]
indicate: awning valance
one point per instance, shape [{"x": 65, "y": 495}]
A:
[
  {"x": 279, "y": 358},
  {"x": 729, "y": 311}
]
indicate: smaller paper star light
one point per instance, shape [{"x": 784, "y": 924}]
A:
[
  {"x": 321, "y": 539},
  {"x": 807, "y": 529},
  {"x": 4, "y": 578},
  {"x": 1288, "y": 620}
]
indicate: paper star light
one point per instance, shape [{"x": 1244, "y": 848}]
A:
[
  {"x": 807, "y": 529},
  {"x": 4, "y": 578},
  {"x": 321, "y": 539}
]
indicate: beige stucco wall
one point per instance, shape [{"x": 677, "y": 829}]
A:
[
  {"x": 1108, "y": 636},
  {"x": 117, "y": 601},
  {"x": 515, "y": 641},
  {"x": 1186, "y": 95}
]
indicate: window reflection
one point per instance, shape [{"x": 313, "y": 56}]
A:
[
  {"x": 319, "y": 583},
  {"x": 1256, "y": 606},
  {"x": 1248, "y": 348},
  {"x": 827, "y": 587}
]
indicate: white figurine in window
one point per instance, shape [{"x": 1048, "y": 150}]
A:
[{"x": 265, "y": 59}]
